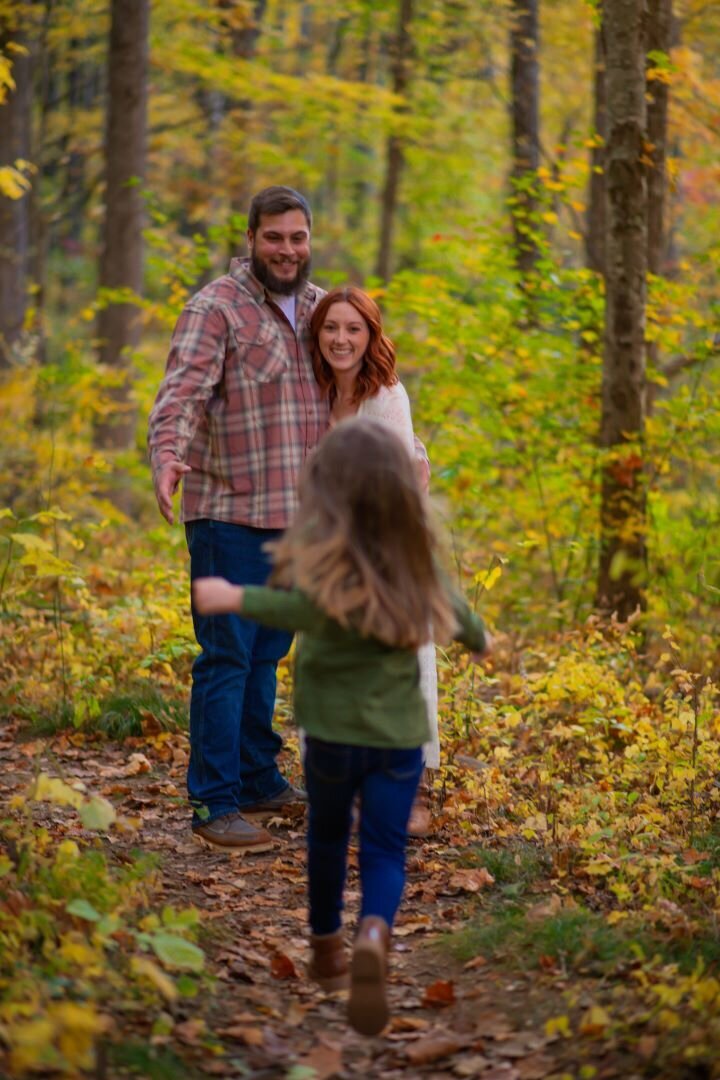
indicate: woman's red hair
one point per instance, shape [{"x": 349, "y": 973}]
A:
[{"x": 378, "y": 367}]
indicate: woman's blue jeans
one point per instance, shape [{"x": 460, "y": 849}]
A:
[
  {"x": 386, "y": 781},
  {"x": 232, "y": 743}
]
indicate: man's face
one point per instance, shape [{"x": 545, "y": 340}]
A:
[{"x": 280, "y": 251}]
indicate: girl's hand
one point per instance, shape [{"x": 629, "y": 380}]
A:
[
  {"x": 216, "y": 596},
  {"x": 478, "y": 657}
]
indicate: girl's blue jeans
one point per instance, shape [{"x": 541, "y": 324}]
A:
[
  {"x": 232, "y": 743},
  {"x": 386, "y": 781}
]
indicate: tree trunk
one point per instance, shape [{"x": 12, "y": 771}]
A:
[
  {"x": 597, "y": 211},
  {"x": 395, "y": 153},
  {"x": 14, "y": 213},
  {"x": 658, "y": 93},
  {"x": 121, "y": 261},
  {"x": 242, "y": 181},
  {"x": 74, "y": 193},
  {"x": 360, "y": 187},
  {"x": 524, "y": 106},
  {"x": 657, "y": 98},
  {"x": 622, "y": 569}
]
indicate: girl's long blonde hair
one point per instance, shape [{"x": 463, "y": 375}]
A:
[{"x": 361, "y": 546}]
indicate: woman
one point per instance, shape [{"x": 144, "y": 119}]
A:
[{"x": 354, "y": 365}]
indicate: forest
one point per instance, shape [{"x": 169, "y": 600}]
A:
[{"x": 530, "y": 190}]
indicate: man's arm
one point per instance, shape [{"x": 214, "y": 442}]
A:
[{"x": 194, "y": 369}]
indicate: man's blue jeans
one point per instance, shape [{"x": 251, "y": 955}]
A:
[
  {"x": 386, "y": 781},
  {"x": 232, "y": 743}
]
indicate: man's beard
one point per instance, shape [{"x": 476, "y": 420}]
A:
[{"x": 265, "y": 276}]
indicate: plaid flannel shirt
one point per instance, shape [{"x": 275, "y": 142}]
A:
[{"x": 239, "y": 403}]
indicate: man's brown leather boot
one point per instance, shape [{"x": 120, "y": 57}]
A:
[
  {"x": 328, "y": 961},
  {"x": 232, "y": 831},
  {"x": 368, "y": 1009}
]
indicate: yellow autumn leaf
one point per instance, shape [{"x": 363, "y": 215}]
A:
[
  {"x": 50, "y": 789},
  {"x": 77, "y": 1027},
  {"x": 32, "y": 1045},
  {"x": 594, "y": 1021},
  {"x": 668, "y": 1020},
  {"x": 13, "y": 185},
  {"x": 487, "y": 578},
  {"x": 31, "y": 542},
  {"x": 67, "y": 851},
  {"x": 558, "y": 1025},
  {"x": 46, "y": 564},
  {"x": 706, "y": 992},
  {"x": 6, "y": 79},
  {"x": 74, "y": 949},
  {"x": 599, "y": 867},
  {"x": 76, "y": 1017},
  {"x": 146, "y": 968}
]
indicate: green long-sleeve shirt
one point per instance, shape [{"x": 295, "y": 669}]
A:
[{"x": 349, "y": 688}]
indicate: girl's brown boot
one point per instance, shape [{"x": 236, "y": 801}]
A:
[
  {"x": 328, "y": 961},
  {"x": 420, "y": 822},
  {"x": 368, "y": 1009}
]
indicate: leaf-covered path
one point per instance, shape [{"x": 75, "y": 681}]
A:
[{"x": 256, "y": 1013}]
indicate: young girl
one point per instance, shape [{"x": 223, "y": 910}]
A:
[
  {"x": 356, "y": 574},
  {"x": 354, "y": 364}
]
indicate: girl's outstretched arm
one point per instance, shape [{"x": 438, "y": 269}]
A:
[
  {"x": 478, "y": 657},
  {"x": 216, "y": 596}
]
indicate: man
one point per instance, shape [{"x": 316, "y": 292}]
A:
[{"x": 235, "y": 417}]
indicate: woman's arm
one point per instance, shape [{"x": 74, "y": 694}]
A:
[{"x": 392, "y": 406}]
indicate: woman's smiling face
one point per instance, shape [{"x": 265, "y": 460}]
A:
[{"x": 343, "y": 338}]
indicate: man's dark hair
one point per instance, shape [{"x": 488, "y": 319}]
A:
[{"x": 276, "y": 200}]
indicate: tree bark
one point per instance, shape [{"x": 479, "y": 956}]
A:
[
  {"x": 657, "y": 98},
  {"x": 14, "y": 213},
  {"x": 658, "y": 93},
  {"x": 121, "y": 262},
  {"x": 242, "y": 181},
  {"x": 597, "y": 211},
  {"x": 524, "y": 106},
  {"x": 622, "y": 568},
  {"x": 360, "y": 186},
  {"x": 395, "y": 155}
]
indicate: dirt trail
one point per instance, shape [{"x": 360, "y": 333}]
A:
[{"x": 269, "y": 1022}]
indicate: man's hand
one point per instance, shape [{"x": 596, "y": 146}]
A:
[
  {"x": 216, "y": 596},
  {"x": 166, "y": 482}
]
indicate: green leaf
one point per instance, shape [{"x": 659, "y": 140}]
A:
[
  {"x": 83, "y": 909},
  {"x": 97, "y": 813},
  {"x": 187, "y": 986},
  {"x": 176, "y": 952}
]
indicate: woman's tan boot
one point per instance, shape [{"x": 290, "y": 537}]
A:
[
  {"x": 328, "y": 961},
  {"x": 368, "y": 1010},
  {"x": 420, "y": 820}
]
